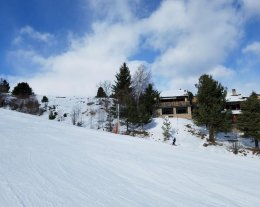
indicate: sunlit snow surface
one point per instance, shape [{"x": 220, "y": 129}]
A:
[{"x": 48, "y": 163}]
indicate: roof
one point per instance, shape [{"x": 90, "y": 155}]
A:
[
  {"x": 235, "y": 98},
  {"x": 172, "y": 93}
]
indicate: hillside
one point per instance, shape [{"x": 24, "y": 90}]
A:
[
  {"x": 45, "y": 163},
  {"x": 94, "y": 116},
  {"x": 92, "y": 113}
]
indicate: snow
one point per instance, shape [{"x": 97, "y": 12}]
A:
[
  {"x": 236, "y": 112},
  {"x": 235, "y": 98},
  {"x": 47, "y": 163},
  {"x": 92, "y": 115},
  {"x": 179, "y": 92}
]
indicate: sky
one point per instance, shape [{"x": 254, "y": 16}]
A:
[{"x": 67, "y": 47}]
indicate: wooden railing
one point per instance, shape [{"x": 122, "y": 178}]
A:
[{"x": 175, "y": 104}]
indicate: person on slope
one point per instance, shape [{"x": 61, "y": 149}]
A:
[{"x": 173, "y": 141}]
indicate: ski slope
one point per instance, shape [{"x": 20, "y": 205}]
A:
[{"x": 51, "y": 164}]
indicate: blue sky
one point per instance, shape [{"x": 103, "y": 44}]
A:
[{"x": 67, "y": 47}]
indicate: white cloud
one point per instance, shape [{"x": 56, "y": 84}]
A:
[
  {"x": 28, "y": 31},
  {"x": 94, "y": 58},
  {"x": 221, "y": 71},
  {"x": 181, "y": 82},
  {"x": 190, "y": 41},
  {"x": 114, "y": 10},
  {"x": 251, "y": 8},
  {"x": 197, "y": 40},
  {"x": 253, "y": 48}
]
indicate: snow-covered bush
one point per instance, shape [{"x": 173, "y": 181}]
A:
[
  {"x": 28, "y": 105},
  {"x": 52, "y": 115}
]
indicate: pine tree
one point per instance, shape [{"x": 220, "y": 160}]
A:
[
  {"x": 44, "y": 99},
  {"x": 22, "y": 89},
  {"x": 149, "y": 99},
  {"x": 166, "y": 129},
  {"x": 129, "y": 112},
  {"x": 4, "y": 86},
  {"x": 211, "y": 98},
  {"x": 147, "y": 104},
  {"x": 249, "y": 120},
  {"x": 101, "y": 93},
  {"x": 122, "y": 91},
  {"x": 111, "y": 115},
  {"x": 122, "y": 87}
]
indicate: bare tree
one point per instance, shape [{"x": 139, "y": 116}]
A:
[
  {"x": 101, "y": 118},
  {"x": 92, "y": 113},
  {"x": 60, "y": 115},
  {"x": 141, "y": 79},
  {"x": 76, "y": 116}
]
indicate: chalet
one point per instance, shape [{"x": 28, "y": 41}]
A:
[
  {"x": 233, "y": 103},
  {"x": 175, "y": 105}
]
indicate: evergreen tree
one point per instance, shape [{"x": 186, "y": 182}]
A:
[
  {"x": 22, "y": 89},
  {"x": 44, "y": 99},
  {"x": 129, "y": 112},
  {"x": 150, "y": 99},
  {"x": 122, "y": 87},
  {"x": 101, "y": 93},
  {"x": 249, "y": 120},
  {"x": 166, "y": 129},
  {"x": 122, "y": 91},
  {"x": 190, "y": 96},
  {"x": 4, "y": 86},
  {"x": 147, "y": 104},
  {"x": 111, "y": 115},
  {"x": 211, "y": 98},
  {"x": 144, "y": 117}
]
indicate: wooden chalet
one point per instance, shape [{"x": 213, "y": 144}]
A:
[
  {"x": 175, "y": 105},
  {"x": 233, "y": 103}
]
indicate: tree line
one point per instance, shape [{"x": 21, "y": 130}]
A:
[
  {"x": 136, "y": 96},
  {"x": 210, "y": 111},
  {"x": 23, "y": 99},
  {"x": 138, "y": 100},
  {"x": 21, "y": 89}
]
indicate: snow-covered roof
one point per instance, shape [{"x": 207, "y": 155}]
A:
[
  {"x": 235, "y": 98},
  {"x": 172, "y": 93}
]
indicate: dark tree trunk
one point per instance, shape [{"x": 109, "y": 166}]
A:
[
  {"x": 211, "y": 134},
  {"x": 256, "y": 144},
  {"x": 127, "y": 125}
]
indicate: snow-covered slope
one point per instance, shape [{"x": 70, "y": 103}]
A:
[
  {"x": 92, "y": 110},
  {"x": 45, "y": 163}
]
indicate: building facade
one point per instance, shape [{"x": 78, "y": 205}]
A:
[
  {"x": 176, "y": 105},
  {"x": 233, "y": 103}
]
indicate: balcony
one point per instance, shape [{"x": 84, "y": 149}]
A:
[{"x": 174, "y": 104}]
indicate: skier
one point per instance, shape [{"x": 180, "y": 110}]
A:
[{"x": 173, "y": 141}]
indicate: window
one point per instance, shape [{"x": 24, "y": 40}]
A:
[
  {"x": 167, "y": 111},
  {"x": 181, "y": 110}
]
